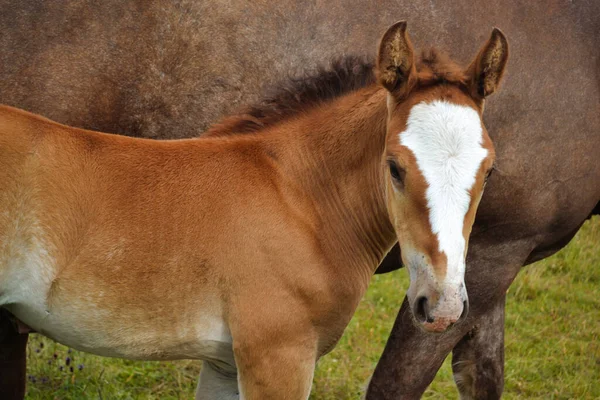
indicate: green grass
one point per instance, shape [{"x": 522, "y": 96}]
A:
[{"x": 552, "y": 343}]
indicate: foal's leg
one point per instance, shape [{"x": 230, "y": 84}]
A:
[
  {"x": 284, "y": 372},
  {"x": 478, "y": 359},
  {"x": 13, "y": 351},
  {"x": 216, "y": 383}
]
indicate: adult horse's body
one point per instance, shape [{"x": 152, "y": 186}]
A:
[
  {"x": 123, "y": 246},
  {"x": 155, "y": 66}
]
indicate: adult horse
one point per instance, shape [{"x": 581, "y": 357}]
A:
[
  {"x": 148, "y": 67},
  {"x": 122, "y": 246}
]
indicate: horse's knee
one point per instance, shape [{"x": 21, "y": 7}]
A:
[
  {"x": 478, "y": 380},
  {"x": 478, "y": 361}
]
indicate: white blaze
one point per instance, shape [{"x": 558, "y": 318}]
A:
[{"x": 446, "y": 140}]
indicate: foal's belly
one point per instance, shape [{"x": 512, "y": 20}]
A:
[
  {"x": 105, "y": 335},
  {"x": 208, "y": 338},
  {"x": 152, "y": 323}
]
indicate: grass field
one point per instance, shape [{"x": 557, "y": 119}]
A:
[{"x": 552, "y": 343}]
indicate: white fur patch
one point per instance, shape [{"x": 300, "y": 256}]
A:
[
  {"x": 26, "y": 274},
  {"x": 446, "y": 140}
]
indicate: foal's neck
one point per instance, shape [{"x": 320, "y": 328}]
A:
[{"x": 332, "y": 158}]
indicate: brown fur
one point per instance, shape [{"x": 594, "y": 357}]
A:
[
  {"x": 436, "y": 67},
  {"x": 75, "y": 236},
  {"x": 167, "y": 69},
  {"x": 143, "y": 282}
]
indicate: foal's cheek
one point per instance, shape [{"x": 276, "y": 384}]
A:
[{"x": 393, "y": 206}]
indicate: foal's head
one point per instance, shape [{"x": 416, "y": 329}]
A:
[{"x": 438, "y": 156}]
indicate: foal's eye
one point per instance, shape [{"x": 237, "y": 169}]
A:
[{"x": 396, "y": 172}]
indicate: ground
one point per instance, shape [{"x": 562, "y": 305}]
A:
[{"x": 552, "y": 343}]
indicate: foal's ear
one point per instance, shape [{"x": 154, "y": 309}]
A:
[
  {"x": 395, "y": 61},
  {"x": 485, "y": 72}
]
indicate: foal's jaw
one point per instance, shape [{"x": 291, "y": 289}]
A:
[{"x": 438, "y": 158}]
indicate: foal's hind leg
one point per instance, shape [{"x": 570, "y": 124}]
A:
[
  {"x": 478, "y": 359},
  {"x": 216, "y": 383}
]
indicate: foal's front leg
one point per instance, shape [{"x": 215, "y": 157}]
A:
[{"x": 277, "y": 371}]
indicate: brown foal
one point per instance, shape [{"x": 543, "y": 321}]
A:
[{"x": 250, "y": 252}]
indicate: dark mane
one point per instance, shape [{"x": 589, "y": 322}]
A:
[{"x": 343, "y": 75}]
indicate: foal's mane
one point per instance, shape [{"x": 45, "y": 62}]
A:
[{"x": 342, "y": 76}]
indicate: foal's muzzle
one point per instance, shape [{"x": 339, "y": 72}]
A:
[{"x": 436, "y": 311}]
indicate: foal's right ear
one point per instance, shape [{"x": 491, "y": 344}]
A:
[{"x": 396, "y": 69}]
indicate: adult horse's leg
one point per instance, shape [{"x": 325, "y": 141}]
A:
[
  {"x": 478, "y": 359},
  {"x": 412, "y": 357},
  {"x": 13, "y": 353}
]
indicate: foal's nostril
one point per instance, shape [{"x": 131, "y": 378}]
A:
[
  {"x": 421, "y": 310},
  {"x": 465, "y": 310}
]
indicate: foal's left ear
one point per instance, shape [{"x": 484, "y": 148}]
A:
[
  {"x": 485, "y": 72},
  {"x": 395, "y": 61}
]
